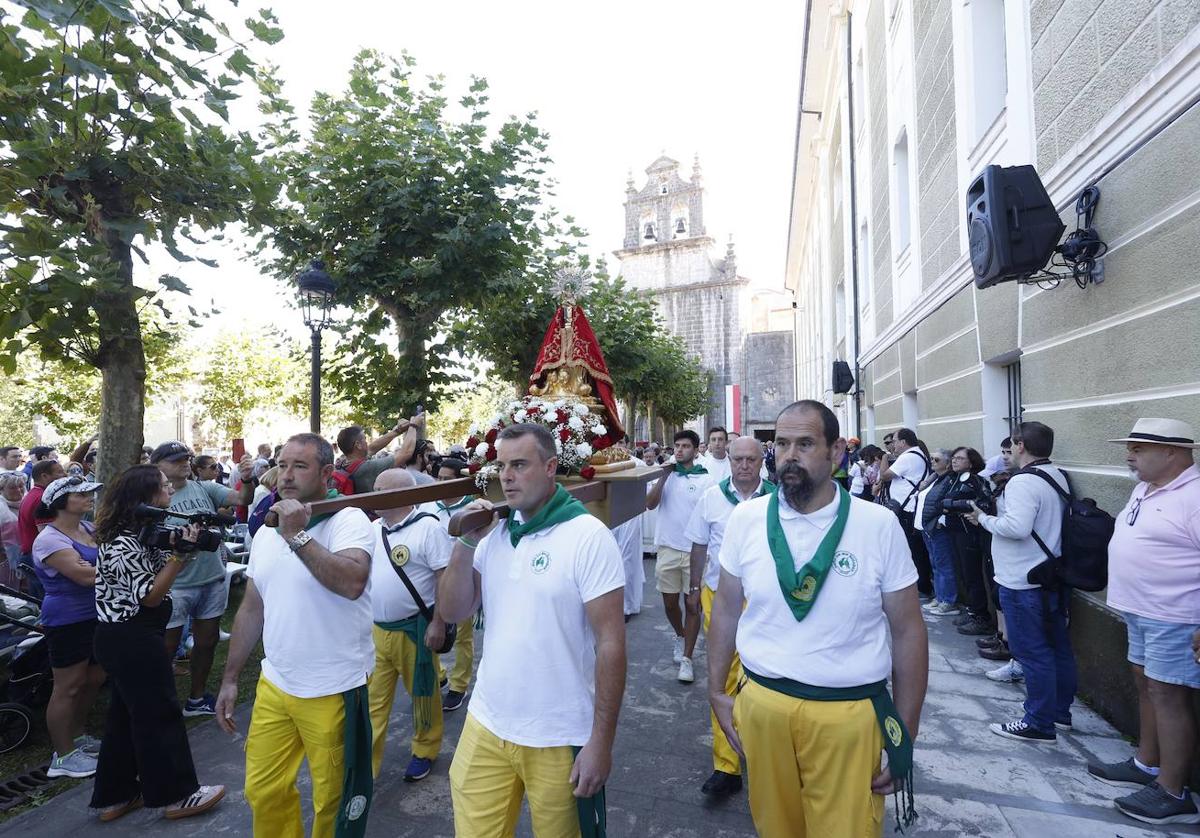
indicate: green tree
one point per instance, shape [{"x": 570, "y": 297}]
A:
[
  {"x": 415, "y": 214},
  {"x": 102, "y": 151},
  {"x": 465, "y": 405}
]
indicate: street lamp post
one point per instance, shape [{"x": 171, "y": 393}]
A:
[{"x": 316, "y": 295}]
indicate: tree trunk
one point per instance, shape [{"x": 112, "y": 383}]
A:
[{"x": 122, "y": 362}]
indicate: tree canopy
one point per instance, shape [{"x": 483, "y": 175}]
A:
[{"x": 104, "y": 147}]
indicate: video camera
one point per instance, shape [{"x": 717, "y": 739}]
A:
[
  {"x": 962, "y": 506},
  {"x": 155, "y": 534}
]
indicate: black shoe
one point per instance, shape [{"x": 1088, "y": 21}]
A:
[
  {"x": 453, "y": 700},
  {"x": 995, "y": 653},
  {"x": 962, "y": 618},
  {"x": 989, "y": 642},
  {"x": 442, "y": 683},
  {"x": 1022, "y": 732},
  {"x": 976, "y": 625},
  {"x": 1154, "y": 804},
  {"x": 721, "y": 784}
]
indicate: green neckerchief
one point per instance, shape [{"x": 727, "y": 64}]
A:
[
  {"x": 765, "y": 488},
  {"x": 800, "y": 588},
  {"x": 561, "y": 507},
  {"x": 593, "y": 816},
  {"x": 896, "y": 739},
  {"x": 316, "y": 519},
  {"x": 461, "y": 503},
  {"x": 424, "y": 672},
  {"x": 695, "y": 469},
  {"x": 357, "y": 781}
]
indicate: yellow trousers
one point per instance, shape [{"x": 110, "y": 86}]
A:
[
  {"x": 810, "y": 764},
  {"x": 464, "y": 655},
  {"x": 725, "y": 758},
  {"x": 396, "y": 659},
  {"x": 285, "y": 730},
  {"x": 489, "y": 776}
]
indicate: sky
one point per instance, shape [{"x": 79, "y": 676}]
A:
[{"x": 614, "y": 84}]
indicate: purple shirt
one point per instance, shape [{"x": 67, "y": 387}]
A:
[
  {"x": 1154, "y": 563},
  {"x": 66, "y": 602}
]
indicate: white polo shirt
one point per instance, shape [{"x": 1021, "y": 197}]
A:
[
  {"x": 317, "y": 643},
  {"x": 536, "y": 684},
  {"x": 679, "y": 497},
  {"x": 428, "y": 551},
  {"x": 444, "y": 512},
  {"x": 717, "y": 469},
  {"x": 707, "y": 526},
  {"x": 843, "y": 641}
]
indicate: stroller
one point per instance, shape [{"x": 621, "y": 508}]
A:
[{"x": 24, "y": 666}]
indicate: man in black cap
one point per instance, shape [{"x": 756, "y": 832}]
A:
[{"x": 200, "y": 591}]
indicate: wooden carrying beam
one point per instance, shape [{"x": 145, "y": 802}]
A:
[
  {"x": 391, "y": 498},
  {"x": 465, "y": 521}
]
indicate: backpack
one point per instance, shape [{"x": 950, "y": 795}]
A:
[
  {"x": 343, "y": 478},
  {"x": 1086, "y": 531}
]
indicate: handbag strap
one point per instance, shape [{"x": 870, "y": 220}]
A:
[{"x": 412, "y": 589}]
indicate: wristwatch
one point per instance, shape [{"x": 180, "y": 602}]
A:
[
  {"x": 299, "y": 540},
  {"x": 693, "y": 589}
]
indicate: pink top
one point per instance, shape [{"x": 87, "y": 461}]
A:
[{"x": 1154, "y": 564}]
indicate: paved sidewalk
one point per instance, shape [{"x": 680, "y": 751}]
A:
[{"x": 968, "y": 782}]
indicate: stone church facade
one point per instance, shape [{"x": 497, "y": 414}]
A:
[{"x": 668, "y": 251}]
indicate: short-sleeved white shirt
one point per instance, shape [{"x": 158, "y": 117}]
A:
[
  {"x": 679, "y": 497},
  {"x": 536, "y": 685},
  {"x": 910, "y": 469},
  {"x": 428, "y": 552},
  {"x": 317, "y": 643},
  {"x": 707, "y": 526},
  {"x": 843, "y": 641},
  {"x": 718, "y": 470}
]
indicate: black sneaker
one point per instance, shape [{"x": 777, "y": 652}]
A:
[
  {"x": 988, "y": 642},
  {"x": 722, "y": 784},
  {"x": 1022, "y": 732},
  {"x": 1124, "y": 773},
  {"x": 995, "y": 653},
  {"x": 453, "y": 700},
  {"x": 976, "y": 625},
  {"x": 1064, "y": 724},
  {"x": 1154, "y": 804},
  {"x": 962, "y": 618}
]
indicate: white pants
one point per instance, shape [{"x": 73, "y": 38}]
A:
[{"x": 629, "y": 540}]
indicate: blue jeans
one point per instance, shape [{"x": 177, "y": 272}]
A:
[
  {"x": 1038, "y": 639},
  {"x": 941, "y": 556}
]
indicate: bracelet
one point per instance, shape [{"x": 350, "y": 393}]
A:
[{"x": 467, "y": 543}]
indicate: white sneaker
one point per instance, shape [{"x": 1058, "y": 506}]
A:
[
  {"x": 1009, "y": 673},
  {"x": 931, "y": 607},
  {"x": 678, "y": 655},
  {"x": 947, "y": 609},
  {"x": 685, "y": 671}
]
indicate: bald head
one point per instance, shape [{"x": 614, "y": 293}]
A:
[
  {"x": 390, "y": 480},
  {"x": 745, "y": 463},
  {"x": 745, "y": 446}
]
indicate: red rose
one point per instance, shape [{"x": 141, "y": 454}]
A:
[
  {"x": 473, "y": 467},
  {"x": 601, "y": 442},
  {"x": 561, "y": 416},
  {"x": 472, "y": 443},
  {"x": 587, "y": 472},
  {"x": 490, "y": 438},
  {"x": 564, "y": 434},
  {"x": 533, "y": 411},
  {"x": 491, "y": 455}
]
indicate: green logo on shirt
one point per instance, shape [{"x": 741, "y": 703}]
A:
[
  {"x": 540, "y": 563},
  {"x": 845, "y": 563}
]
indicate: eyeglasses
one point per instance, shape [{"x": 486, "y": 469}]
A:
[{"x": 1132, "y": 517}]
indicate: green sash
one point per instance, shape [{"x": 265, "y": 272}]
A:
[
  {"x": 896, "y": 739},
  {"x": 316, "y": 519},
  {"x": 561, "y": 507},
  {"x": 727, "y": 490},
  {"x": 695, "y": 469},
  {"x": 357, "y": 782},
  {"x": 463, "y": 501},
  {"x": 424, "y": 672},
  {"x": 593, "y": 816},
  {"x": 800, "y": 588}
]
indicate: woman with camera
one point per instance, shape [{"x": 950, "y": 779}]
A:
[
  {"x": 64, "y": 559},
  {"x": 968, "y": 541},
  {"x": 146, "y": 759}
]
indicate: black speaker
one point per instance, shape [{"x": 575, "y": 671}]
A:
[
  {"x": 1012, "y": 226},
  {"x": 843, "y": 379}
]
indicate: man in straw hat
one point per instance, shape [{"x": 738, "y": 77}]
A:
[{"x": 1154, "y": 580}]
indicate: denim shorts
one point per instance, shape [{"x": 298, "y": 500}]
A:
[
  {"x": 201, "y": 602},
  {"x": 1164, "y": 650}
]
